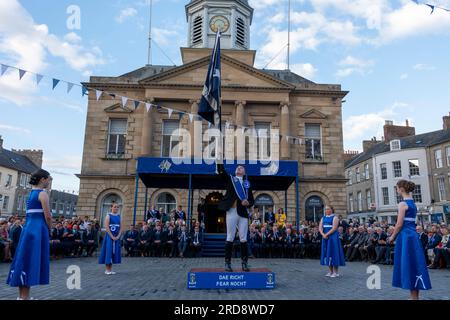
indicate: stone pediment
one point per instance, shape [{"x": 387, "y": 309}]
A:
[
  {"x": 313, "y": 114},
  {"x": 234, "y": 74},
  {"x": 117, "y": 108}
]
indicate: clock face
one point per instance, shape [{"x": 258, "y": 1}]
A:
[{"x": 219, "y": 23}]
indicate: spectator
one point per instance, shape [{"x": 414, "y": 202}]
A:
[
  {"x": 157, "y": 241},
  {"x": 144, "y": 241},
  {"x": 196, "y": 244},
  {"x": 67, "y": 239},
  {"x": 130, "y": 241},
  {"x": 170, "y": 239},
  {"x": 288, "y": 244},
  {"x": 183, "y": 241},
  {"x": 180, "y": 214},
  {"x": 90, "y": 240},
  {"x": 281, "y": 219},
  {"x": 270, "y": 217},
  {"x": 423, "y": 237},
  {"x": 276, "y": 241},
  {"x": 153, "y": 214},
  {"x": 165, "y": 217},
  {"x": 380, "y": 247},
  {"x": 5, "y": 241},
  {"x": 435, "y": 239},
  {"x": 78, "y": 245},
  {"x": 442, "y": 251}
]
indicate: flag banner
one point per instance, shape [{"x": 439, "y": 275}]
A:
[
  {"x": 39, "y": 78},
  {"x": 4, "y": 68},
  {"x": 98, "y": 94},
  {"x": 136, "y": 104},
  {"x": 209, "y": 108},
  {"x": 69, "y": 86},
  {"x": 180, "y": 115},
  {"x": 191, "y": 117},
  {"x": 112, "y": 95},
  {"x": 148, "y": 106},
  {"x": 55, "y": 83},
  {"x": 170, "y": 112},
  {"x": 21, "y": 73},
  {"x": 84, "y": 91},
  {"x": 433, "y": 7},
  {"x": 124, "y": 101}
]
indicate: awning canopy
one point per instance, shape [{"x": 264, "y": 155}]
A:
[{"x": 175, "y": 172}]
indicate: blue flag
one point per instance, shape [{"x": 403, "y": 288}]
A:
[{"x": 210, "y": 104}]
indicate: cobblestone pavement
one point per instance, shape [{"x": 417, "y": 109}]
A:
[{"x": 163, "y": 278}]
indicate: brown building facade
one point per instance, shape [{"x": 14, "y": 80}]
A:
[{"x": 266, "y": 100}]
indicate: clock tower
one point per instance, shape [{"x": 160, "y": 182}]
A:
[{"x": 232, "y": 17}]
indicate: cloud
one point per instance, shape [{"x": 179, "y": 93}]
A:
[
  {"x": 27, "y": 45},
  {"x": 424, "y": 67},
  {"x": 351, "y": 65},
  {"x": 359, "y": 127},
  {"x": 63, "y": 163},
  {"x": 404, "y": 76},
  {"x": 126, "y": 14},
  {"x": 14, "y": 128},
  {"x": 306, "y": 70}
]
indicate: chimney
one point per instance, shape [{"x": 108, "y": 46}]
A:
[
  {"x": 446, "y": 120},
  {"x": 392, "y": 132},
  {"x": 1, "y": 143},
  {"x": 367, "y": 144},
  {"x": 349, "y": 154},
  {"x": 34, "y": 155}
]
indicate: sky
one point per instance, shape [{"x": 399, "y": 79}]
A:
[{"x": 393, "y": 57}]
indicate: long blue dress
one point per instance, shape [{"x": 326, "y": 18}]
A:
[
  {"x": 332, "y": 253},
  {"x": 410, "y": 268},
  {"x": 110, "y": 253},
  {"x": 31, "y": 264}
]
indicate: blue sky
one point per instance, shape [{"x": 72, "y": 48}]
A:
[{"x": 393, "y": 57}]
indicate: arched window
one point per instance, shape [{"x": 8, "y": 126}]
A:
[
  {"x": 197, "y": 31},
  {"x": 240, "y": 32},
  {"x": 263, "y": 202},
  {"x": 107, "y": 203},
  {"x": 314, "y": 208},
  {"x": 166, "y": 201}
]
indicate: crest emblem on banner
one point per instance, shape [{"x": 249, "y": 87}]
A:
[
  {"x": 192, "y": 279},
  {"x": 165, "y": 166}
]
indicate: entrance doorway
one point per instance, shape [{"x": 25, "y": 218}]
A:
[{"x": 214, "y": 218}]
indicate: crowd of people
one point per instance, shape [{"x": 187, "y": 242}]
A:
[{"x": 168, "y": 235}]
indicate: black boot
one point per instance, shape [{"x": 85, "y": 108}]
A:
[
  {"x": 244, "y": 256},
  {"x": 228, "y": 251}
]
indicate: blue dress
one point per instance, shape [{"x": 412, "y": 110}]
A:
[
  {"x": 332, "y": 253},
  {"x": 410, "y": 268},
  {"x": 31, "y": 264},
  {"x": 110, "y": 253}
]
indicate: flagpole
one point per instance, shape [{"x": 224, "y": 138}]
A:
[{"x": 221, "y": 155}]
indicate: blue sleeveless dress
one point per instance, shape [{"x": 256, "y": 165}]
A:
[
  {"x": 110, "y": 253},
  {"x": 31, "y": 264},
  {"x": 332, "y": 253},
  {"x": 410, "y": 268}
]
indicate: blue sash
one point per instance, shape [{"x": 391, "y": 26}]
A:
[{"x": 241, "y": 189}]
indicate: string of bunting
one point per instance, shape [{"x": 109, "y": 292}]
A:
[
  {"x": 125, "y": 100},
  {"x": 433, "y": 7}
]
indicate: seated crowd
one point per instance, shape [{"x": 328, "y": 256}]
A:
[{"x": 167, "y": 235}]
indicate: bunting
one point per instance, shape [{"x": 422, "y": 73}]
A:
[
  {"x": 433, "y": 7},
  {"x": 124, "y": 100}
]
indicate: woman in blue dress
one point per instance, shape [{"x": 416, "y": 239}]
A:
[
  {"x": 410, "y": 268},
  {"x": 332, "y": 254},
  {"x": 30, "y": 266},
  {"x": 110, "y": 253}
]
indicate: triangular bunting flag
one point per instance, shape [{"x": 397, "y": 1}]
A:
[
  {"x": 21, "y": 73},
  {"x": 98, "y": 94},
  {"x": 287, "y": 138},
  {"x": 55, "y": 83},
  {"x": 180, "y": 115},
  {"x": 136, "y": 104},
  {"x": 69, "y": 86},
  {"x": 84, "y": 91},
  {"x": 170, "y": 112},
  {"x": 158, "y": 107},
  {"x": 4, "y": 68},
  {"x": 191, "y": 117},
  {"x": 148, "y": 106},
  {"x": 124, "y": 101},
  {"x": 112, "y": 95},
  {"x": 39, "y": 78}
]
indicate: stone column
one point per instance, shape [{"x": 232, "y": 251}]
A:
[
  {"x": 240, "y": 122},
  {"x": 147, "y": 123},
  {"x": 285, "y": 151}
]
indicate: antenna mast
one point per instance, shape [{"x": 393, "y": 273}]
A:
[
  {"x": 149, "y": 61},
  {"x": 289, "y": 36}
]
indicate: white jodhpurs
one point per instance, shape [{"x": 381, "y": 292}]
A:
[{"x": 234, "y": 221}]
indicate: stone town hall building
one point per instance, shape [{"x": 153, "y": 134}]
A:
[{"x": 263, "y": 99}]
